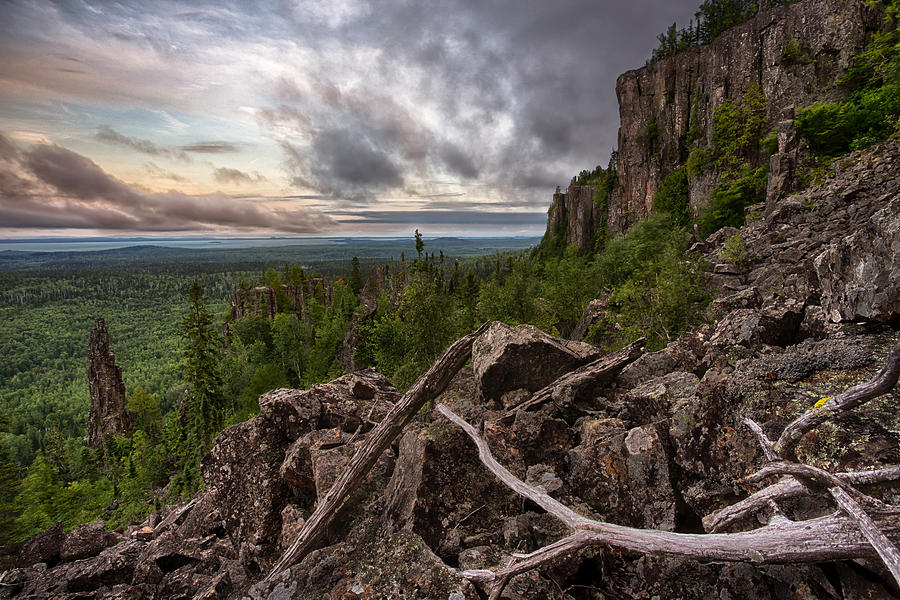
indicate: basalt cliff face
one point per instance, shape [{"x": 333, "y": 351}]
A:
[{"x": 796, "y": 55}]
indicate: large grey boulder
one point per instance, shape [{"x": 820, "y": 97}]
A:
[
  {"x": 508, "y": 358},
  {"x": 860, "y": 274}
]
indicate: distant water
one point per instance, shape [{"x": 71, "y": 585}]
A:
[{"x": 93, "y": 244}]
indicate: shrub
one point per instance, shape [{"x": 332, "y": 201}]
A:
[
  {"x": 673, "y": 197},
  {"x": 726, "y": 207}
]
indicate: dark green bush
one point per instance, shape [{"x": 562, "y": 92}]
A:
[
  {"x": 673, "y": 197},
  {"x": 726, "y": 207}
]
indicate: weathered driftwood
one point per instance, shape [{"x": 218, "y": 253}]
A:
[
  {"x": 784, "y": 489},
  {"x": 596, "y": 371},
  {"x": 831, "y": 537},
  {"x": 855, "y": 396},
  {"x": 426, "y": 388}
]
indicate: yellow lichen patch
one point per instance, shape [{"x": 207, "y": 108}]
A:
[{"x": 821, "y": 402}]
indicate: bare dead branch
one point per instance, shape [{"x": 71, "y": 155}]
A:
[
  {"x": 855, "y": 396},
  {"x": 426, "y": 388},
  {"x": 536, "y": 495},
  {"x": 823, "y": 478},
  {"x": 831, "y": 537},
  {"x": 888, "y": 552},
  {"x": 784, "y": 489},
  {"x": 597, "y": 371},
  {"x": 762, "y": 438}
]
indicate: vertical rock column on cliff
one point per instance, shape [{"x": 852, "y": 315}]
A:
[{"x": 108, "y": 415}]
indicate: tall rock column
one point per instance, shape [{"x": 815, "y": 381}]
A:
[{"x": 108, "y": 414}]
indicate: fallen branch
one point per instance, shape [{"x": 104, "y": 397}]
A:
[
  {"x": 426, "y": 388},
  {"x": 888, "y": 552},
  {"x": 831, "y": 537},
  {"x": 597, "y": 371},
  {"x": 855, "y": 396},
  {"x": 807, "y": 474},
  {"x": 784, "y": 489}
]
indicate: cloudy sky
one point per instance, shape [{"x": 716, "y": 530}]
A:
[{"x": 307, "y": 117}]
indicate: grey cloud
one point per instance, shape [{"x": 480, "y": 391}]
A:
[
  {"x": 156, "y": 171},
  {"x": 236, "y": 176},
  {"x": 49, "y": 186},
  {"x": 111, "y": 136},
  {"x": 472, "y": 218},
  {"x": 459, "y": 162},
  {"x": 210, "y": 148}
]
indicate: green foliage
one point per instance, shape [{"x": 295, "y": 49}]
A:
[
  {"x": 673, "y": 197},
  {"x": 201, "y": 356},
  {"x": 657, "y": 291},
  {"x": 871, "y": 111},
  {"x": 45, "y": 499},
  {"x": 793, "y": 54},
  {"x": 726, "y": 207},
  {"x": 735, "y": 251},
  {"x": 697, "y": 160},
  {"x": 739, "y": 127}
]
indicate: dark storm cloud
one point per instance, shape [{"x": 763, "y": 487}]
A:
[
  {"x": 210, "y": 148},
  {"x": 236, "y": 176},
  {"x": 459, "y": 162},
  {"x": 548, "y": 68},
  {"x": 50, "y": 187},
  {"x": 111, "y": 136}
]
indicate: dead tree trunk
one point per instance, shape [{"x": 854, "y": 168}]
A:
[{"x": 426, "y": 388}]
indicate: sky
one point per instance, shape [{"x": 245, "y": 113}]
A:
[{"x": 308, "y": 117}]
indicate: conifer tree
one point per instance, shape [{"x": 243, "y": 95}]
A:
[{"x": 202, "y": 354}]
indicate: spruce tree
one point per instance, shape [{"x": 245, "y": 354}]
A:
[{"x": 201, "y": 356}]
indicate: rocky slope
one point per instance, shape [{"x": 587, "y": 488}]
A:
[{"x": 658, "y": 445}]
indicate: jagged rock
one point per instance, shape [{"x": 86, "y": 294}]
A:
[
  {"x": 244, "y": 493},
  {"x": 647, "y": 366},
  {"x": 111, "y": 567},
  {"x": 87, "y": 540},
  {"x": 747, "y": 298},
  {"x": 776, "y": 324},
  {"x": 506, "y": 358},
  {"x": 576, "y": 216},
  {"x": 860, "y": 274},
  {"x": 294, "y": 412},
  {"x": 623, "y": 474},
  {"x": 108, "y": 415},
  {"x": 42, "y": 548},
  {"x": 595, "y": 311}
]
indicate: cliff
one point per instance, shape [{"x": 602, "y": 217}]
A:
[
  {"x": 575, "y": 217},
  {"x": 795, "y": 55},
  {"x": 108, "y": 415}
]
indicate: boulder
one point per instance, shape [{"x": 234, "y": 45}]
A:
[
  {"x": 507, "y": 358},
  {"x": 860, "y": 274},
  {"x": 88, "y": 540}
]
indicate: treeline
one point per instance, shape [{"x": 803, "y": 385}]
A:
[{"x": 711, "y": 19}]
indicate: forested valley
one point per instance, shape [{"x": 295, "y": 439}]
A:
[{"x": 185, "y": 381}]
